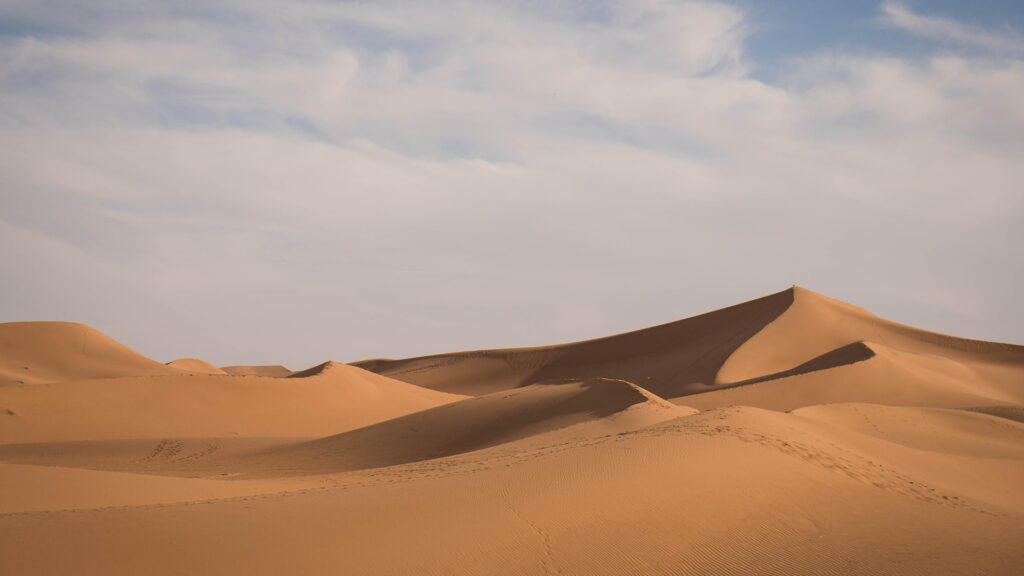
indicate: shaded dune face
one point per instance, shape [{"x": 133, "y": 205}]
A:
[
  {"x": 1015, "y": 413},
  {"x": 842, "y": 356}
]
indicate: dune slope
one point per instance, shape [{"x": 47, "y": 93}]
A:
[
  {"x": 729, "y": 491},
  {"x": 338, "y": 398},
  {"x": 523, "y": 417},
  {"x": 475, "y": 423},
  {"x": 39, "y": 352}
]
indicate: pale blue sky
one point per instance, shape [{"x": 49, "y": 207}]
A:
[{"x": 262, "y": 182}]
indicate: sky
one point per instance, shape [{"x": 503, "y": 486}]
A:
[{"x": 255, "y": 182}]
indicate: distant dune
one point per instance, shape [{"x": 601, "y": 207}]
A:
[
  {"x": 792, "y": 434},
  {"x": 195, "y": 366},
  {"x": 269, "y": 371},
  {"x": 40, "y": 352}
]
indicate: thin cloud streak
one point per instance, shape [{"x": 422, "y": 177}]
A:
[{"x": 947, "y": 30}]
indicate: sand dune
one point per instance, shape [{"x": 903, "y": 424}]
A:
[
  {"x": 195, "y": 366},
  {"x": 784, "y": 335},
  {"x": 670, "y": 360},
  {"x": 888, "y": 376},
  {"x": 201, "y": 406},
  {"x": 269, "y": 371},
  {"x": 39, "y": 352},
  {"x": 815, "y": 324},
  {"x": 829, "y": 441},
  {"x": 608, "y": 406},
  {"x": 537, "y": 413}
]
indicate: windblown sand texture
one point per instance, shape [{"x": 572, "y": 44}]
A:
[{"x": 789, "y": 434}]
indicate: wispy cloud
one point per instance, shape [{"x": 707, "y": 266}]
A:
[
  {"x": 1005, "y": 41},
  {"x": 420, "y": 178}
]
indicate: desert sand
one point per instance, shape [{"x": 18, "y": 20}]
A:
[{"x": 789, "y": 434}]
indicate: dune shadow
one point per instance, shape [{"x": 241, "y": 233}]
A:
[{"x": 842, "y": 356}]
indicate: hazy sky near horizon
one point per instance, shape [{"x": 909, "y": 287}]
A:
[{"x": 269, "y": 182}]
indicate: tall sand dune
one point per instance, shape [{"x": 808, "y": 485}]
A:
[
  {"x": 784, "y": 335},
  {"x": 670, "y": 360},
  {"x": 39, "y": 352}
]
